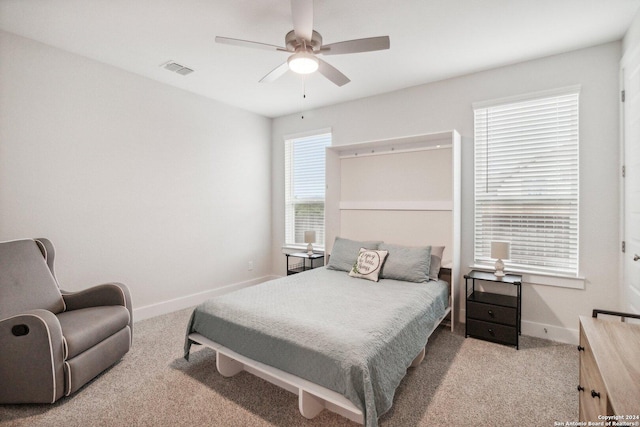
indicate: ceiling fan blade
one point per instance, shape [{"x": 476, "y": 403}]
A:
[
  {"x": 246, "y": 43},
  {"x": 332, "y": 73},
  {"x": 302, "y": 13},
  {"x": 275, "y": 73},
  {"x": 355, "y": 46}
]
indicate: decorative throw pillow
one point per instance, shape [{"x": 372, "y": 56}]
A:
[
  {"x": 345, "y": 252},
  {"x": 368, "y": 264},
  {"x": 407, "y": 263}
]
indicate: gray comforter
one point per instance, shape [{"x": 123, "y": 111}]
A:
[{"x": 350, "y": 335}]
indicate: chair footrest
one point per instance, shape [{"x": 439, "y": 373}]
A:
[{"x": 82, "y": 368}]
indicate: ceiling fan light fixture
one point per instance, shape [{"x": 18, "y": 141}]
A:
[
  {"x": 303, "y": 62},
  {"x": 304, "y": 43}
]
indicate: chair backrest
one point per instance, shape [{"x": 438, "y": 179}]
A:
[{"x": 26, "y": 281}]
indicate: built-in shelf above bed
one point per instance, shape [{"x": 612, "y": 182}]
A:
[
  {"x": 393, "y": 145},
  {"x": 403, "y": 190}
]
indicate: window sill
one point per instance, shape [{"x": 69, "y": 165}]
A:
[{"x": 559, "y": 281}]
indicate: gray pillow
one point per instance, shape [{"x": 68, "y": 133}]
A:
[
  {"x": 345, "y": 253},
  {"x": 436, "y": 261},
  {"x": 407, "y": 263}
]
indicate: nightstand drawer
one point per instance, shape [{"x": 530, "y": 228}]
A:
[
  {"x": 492, "y": 313},
  {"x": 492, "y": 331}
]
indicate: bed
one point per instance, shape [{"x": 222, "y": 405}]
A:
[
  {"x": 338, "y": 342},
  {"x": 343, "y": 343}
]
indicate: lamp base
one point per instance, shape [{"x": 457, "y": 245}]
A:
[
  {"x": 499, "y": 269},
  {"x": 309, "y": 249}
]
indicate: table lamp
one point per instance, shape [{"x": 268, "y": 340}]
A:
[
  {"x": 500, "y": 251},
  {"x": 309, "y": 238}
]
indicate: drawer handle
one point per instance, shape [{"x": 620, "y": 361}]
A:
[
  {"x": 595, "y": 394},
  {"x": 580, "y": 388},
  {"x": 580, "y": 348},
  {"x": 491, "y": 313},
  {"x": 493, "y": 334}
]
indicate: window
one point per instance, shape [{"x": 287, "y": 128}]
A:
[
  {"x": 526, "y": 181},
  {"x": 305, "y": 187}
]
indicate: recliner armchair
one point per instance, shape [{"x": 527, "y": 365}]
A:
[{"x": 53, "y": 342}]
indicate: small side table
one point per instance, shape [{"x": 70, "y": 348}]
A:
[
  {"x": 308, "y": 262},
  {"x": 491, "y": 316}
]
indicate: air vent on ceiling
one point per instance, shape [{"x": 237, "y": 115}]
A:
[{"x": 176, "y": 68}]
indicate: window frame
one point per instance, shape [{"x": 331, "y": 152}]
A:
[
  {"x": 536, "y": 274},
  {"x": 288, "y": 187}
]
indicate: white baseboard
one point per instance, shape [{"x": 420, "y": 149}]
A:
[
  {"x": 550, "y": 332},
  {"x": 164, "y": 307},
  {"x": 540, "y": 330}
]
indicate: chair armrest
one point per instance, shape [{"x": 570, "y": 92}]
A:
[
  {"x": 96, "y": 296},
  {"x": 32, "y": 358}
]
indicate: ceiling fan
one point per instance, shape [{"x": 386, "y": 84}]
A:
[{"x": 305, "y": 44}]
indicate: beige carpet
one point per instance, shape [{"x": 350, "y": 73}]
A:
[{"x": 461, "y": 382}]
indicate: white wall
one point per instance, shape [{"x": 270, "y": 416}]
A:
[
  {"x": 447, "y": 105},
  {"x": 133, "y": 181}
]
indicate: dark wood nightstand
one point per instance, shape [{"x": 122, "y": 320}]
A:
[
  {"x": 304, "y": 262},
  {"x": 491, "y": 316}
]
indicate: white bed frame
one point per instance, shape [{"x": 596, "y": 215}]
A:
[{"x": 437, "y": 200}]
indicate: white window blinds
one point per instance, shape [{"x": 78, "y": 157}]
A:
[
  {"x": 526, "y": 182},
  {"x": 305, "y": 187}
]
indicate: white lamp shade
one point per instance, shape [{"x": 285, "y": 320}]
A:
[
  {"x": 500, "y": 250},
  {"x": 309, "y": 236}
]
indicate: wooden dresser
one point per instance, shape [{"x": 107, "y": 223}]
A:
[{"x": 609, "y": 369}]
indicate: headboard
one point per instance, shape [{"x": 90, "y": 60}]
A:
[{"x": 402, "y": 190}]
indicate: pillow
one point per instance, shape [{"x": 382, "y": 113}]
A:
[
  {"x": 345, "y": 252},
  {"x": 368, "y": 264},
  {"x": 436, "y": 261},
  {"x": 411, "y": 264}
]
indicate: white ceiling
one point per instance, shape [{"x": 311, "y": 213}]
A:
[{"x": 430, "y": 40}]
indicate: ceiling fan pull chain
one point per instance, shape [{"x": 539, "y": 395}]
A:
[{"x": 304, "y": 94}]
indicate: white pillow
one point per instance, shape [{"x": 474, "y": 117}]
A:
[{"x": 368, "y": 264}]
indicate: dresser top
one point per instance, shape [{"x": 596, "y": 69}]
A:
[{"x": 616, "y": 349}]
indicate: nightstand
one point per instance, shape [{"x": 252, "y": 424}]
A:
[
  {"x": 492, "y": 316},
  {"x": 303, "y": 262}
]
